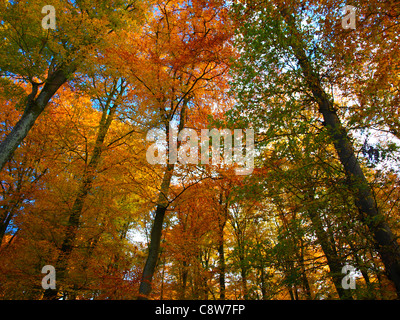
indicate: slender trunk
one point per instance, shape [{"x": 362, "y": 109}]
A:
[
  {"x": 243, "y": 273},
  {"x": 386, "y": 243},
  {"x": 290, "y": 292},
  {"x": 205, "y": 263},
  {"x": 205, "y": 288},
  {"x": 162, "y": 279},
  {"x": 306, "y": 285},
  {"x": 76, "y": 211},
  {"x": 69, "y": 239},
  {"x": 5, "y": 220},
  {"x": 299, "y": 254},
  {"x": 296, "y": 293},
  {"x": 156, "y": 230},
  {"x": 240, "y": 233},
  {"x": 221, "y": 253},
  {"x": 263, "y": 283},
  {"x": 370, "y": 294},
  {"x": 9, "y": 210},
  {"x": 184, "y": 280},
  {"x": 34, "y": 108},
  {"x": 333, "y": 260},
  {"x": 155, "y": 236},
  {"x": 221, "y": 269}
]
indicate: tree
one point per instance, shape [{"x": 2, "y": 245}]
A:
[
  {"x": 94, "y": 252},
  {"x": 104, "y": 178},
  {"x": 46, "y": 59},
  {"x": 113, "y": 99},
  {"x": 276, "y": 38},
  {"x": 22, "y": 175},
  {"x": 180, "y": 64}
]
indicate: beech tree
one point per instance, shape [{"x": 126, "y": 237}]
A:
[
  {"x": 289, "y": 59},
  {"x": 46, "y": 59},
  {"x": 95, "y": 176},
  {"x": 180, "y": 62}
]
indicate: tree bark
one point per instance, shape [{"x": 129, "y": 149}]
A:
[
  {"x": 334, "y": 263},
  {"x": 306, "y": 285},
  {"x": 222, "y": 216},
  {"x": 155, "y": 236},
  {"x": 34, "y": 108},
  {"x": 221, "y": 269},
  {"x": 184, "y": 280},
  {"x": 6, "y": 216},
  {"x": 243, "y": 274},
  {"x": 263, "y": 282},
  {"x": 156, "y": 230}
]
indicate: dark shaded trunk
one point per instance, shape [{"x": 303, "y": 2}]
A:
[
  {"x": 243, "y": 274},
  {"x": 221, "y": 254},
  {"x": 184, "y": 280},
  {"x": 69, "y": 239},
  {"x": 306, "y": 285},
  {"x": 221, "y": 269},
  {"x": 35, "y": 106},
  {"x": 386, "y": 243},
  {"x": 157, "y": 227},
  {"x": 155, "y": 236},
  {"x": 290, "y": 292},
  {"x": 333, "y": 260},
  {"x": 77, "y": 208},
  {"x": 7, "y": 212},
  {"x": 5, "y": 219},
  {"x": 152, "y": 257},
  {"x": 360, "y": 265},
  {"x": 204, "y": 258},
  {"x": 263, "y": 283}
]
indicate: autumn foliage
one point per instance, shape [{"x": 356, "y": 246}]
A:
[{"x": 78, "y": 192}]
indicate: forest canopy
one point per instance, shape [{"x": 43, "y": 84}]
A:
[{"x": 202, "y": 150}]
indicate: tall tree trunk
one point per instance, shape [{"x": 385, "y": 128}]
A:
[
  {"x": 333, "y": 260},
  {"x": 263, "y": 282},
  {"x": 306, "y": 285},
  {"x": 184, "y": 280},
  {"x": 76, "y": 211},
  {"x": 162, "y": 279},
  {"x": 155, "y": 236},
  {"x": 386, "y": 243},
  {"x": 221, "y": 269},
  {"x": 6, "y": 216},
  {"x": 34, "y": 107},
  {"x": 156, "y": 230},
  {"x": 204, "y": 256},
  {"x": 221, "y": 254},
  {"x": 289, "y": 288},
  {"x": 370, "y": 294},
  {"x": 243, "y": 274}
]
